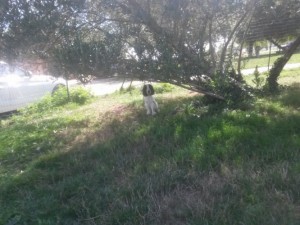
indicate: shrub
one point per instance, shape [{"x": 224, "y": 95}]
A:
[
  {"x": 258, "y": 79},
  {"x": 77, "y": 95},
  {"x": 60, "y": 97},
  {"x": 80, "y": 95},
  {"x": 236, "y": 94},
  {"x": 163, "y": 88}
]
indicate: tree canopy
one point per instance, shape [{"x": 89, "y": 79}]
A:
[
  {"x": 275, "y": 20},
  {"x": 168, "y": 40}
]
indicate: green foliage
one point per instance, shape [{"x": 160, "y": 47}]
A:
[
  {"x": 267, "y": 11},
  {"x": 163, "y": 88},
  {"x": 61, "y": 97},
  {"x": 235, "y": 94},
  {"x": 21, "y": 24},
  {"x": 79, "y": 95},
  {"x": 80, "y": 56},
  {"x": 258, "y": 79},
  {"x": 287, "y": 77},
  {"x": 171, "y": 41}
]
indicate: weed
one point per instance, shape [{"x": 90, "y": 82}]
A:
[{"x": 258, "y": 80}]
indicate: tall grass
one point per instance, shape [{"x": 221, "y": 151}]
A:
[{"x": 108, "y": 163}]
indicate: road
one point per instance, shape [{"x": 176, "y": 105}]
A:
[{"x": 106, "y": 86}]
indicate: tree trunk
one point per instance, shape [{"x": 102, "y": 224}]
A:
[
  {"x": 276, "y": 44},
  {"x": 212, "y": 51},
  {"x": 275, "y": 71},
  {"x": 250, "y": 48},
  {"x": 224, "y": 50}
]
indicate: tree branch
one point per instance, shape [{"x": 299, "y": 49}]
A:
[{"x": 198, "y": 89}]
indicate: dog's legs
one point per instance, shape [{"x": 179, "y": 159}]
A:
[
  {"x": 150, "y": 105},
  {"x": 154, "y": 107},
  {"x": 148, "y": 108}
]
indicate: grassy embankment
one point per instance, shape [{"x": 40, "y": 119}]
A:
[
  {"x": 287, "y": 77},
  {"x": 263, "y": 60},
  {"x": 108, "y": 163}
]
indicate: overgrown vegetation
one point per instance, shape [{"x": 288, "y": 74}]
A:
[
  {"x": 106, "y": 162},
  {"x": 258, "y": 79},
  {"x": 286, "y": 79},
  {"x": 61, "y": 97}
]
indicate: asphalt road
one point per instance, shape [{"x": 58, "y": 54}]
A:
[{"x": 106, "y": 86}]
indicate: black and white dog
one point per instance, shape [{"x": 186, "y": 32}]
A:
[{"x": 150, "y": 103}]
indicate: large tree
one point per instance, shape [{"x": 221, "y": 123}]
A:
[
  {"x": 33, "y": 27},
  {"x": 170, "y": 40},
  {"x": 274, "y": 20}
]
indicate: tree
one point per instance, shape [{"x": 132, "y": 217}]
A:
[
  {"x": 275, "y": 71},
  {"x": 81, "y": 56},
  {"x": 34, "y": 27},
  {"x": 172, "y": 40},
  {"x": 275, "y": 20},
  {"x": 169, "y": 40}
]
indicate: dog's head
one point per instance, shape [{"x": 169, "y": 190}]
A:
[{"x": 148, "y": 90}]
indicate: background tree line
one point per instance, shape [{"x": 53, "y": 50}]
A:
[{"x": 164, "y": 40}]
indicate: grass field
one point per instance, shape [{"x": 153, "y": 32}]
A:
[
  {"x": 286, "y": 77},
  {"x": 106, "y": 162},
  {"x": 263, "y": 61}
]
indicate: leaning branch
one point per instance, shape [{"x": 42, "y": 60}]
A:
[
  {"x": 276, "y": 44},
  {"x": 198, "y": 89}
]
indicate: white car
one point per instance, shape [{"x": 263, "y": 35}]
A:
[{"x": 19, "y": 87}]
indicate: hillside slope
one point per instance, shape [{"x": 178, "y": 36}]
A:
[{"x": 109, "y": 163}]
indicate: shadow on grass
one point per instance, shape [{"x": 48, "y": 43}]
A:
[
  {"x": 290, "y": 96},
  {"x": 172, "y": 168},
  {"x": 25, "y": 141}
]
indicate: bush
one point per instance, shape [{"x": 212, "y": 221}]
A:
[
  {"x": 77, "y": 95},
  {"x": 60, "y": 97},
  {"x": 163, "y": 88},
  {"x": 80, "y": 95},
  {"x": 258, "y": 79},
  {"x": 236, "y": 94}
]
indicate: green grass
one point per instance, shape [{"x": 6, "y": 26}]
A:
[
  {"x": 106, "y": 162},
  {"x": 286, "y": 77},
  {"x": 262, "y": 61}
]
